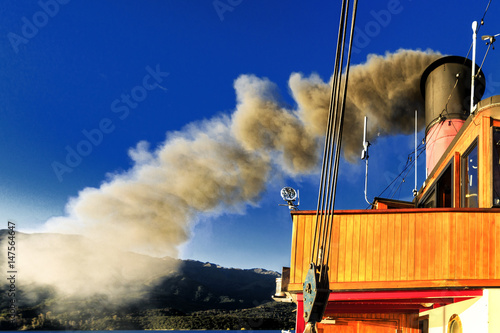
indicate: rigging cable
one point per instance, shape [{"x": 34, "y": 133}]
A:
[
  {"x": 326, "y": 169},
  {"x": 482, "y": 63},
  {"x": 445, "y": 110},
  {"x": 409, "y": 164},
  {"x": 338, "y": 143},
  {"x": 485, "y": 11},
  {"x": 408, "y": 168},
  {"x": 316, "y": 285},
  {"x": 479, "y": 27}
]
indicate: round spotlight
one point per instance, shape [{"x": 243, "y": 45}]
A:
[{"x": 288, "y": 194}]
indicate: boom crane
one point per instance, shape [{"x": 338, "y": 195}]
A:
[{"x": 316, "y": 286}]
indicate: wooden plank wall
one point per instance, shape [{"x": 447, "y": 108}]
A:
[
  {"x": 412, "y": 249},
  {"x": 372, "y": 322}
]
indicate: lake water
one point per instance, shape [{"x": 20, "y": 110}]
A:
[{"x": 169, "y": 331}]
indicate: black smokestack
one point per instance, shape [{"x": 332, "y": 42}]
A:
[{"x": 446, "y": 86}]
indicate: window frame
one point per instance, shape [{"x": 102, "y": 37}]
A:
[
  {"x": 448, "y": 168},
  {"x": 493, "y": 144},
  {"x": 464, "y": 176},
  {"x": 432, "y": 193}
]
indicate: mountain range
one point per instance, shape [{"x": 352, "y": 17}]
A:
[{"x": 195, "y": 295}]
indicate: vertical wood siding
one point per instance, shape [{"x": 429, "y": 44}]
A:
[
  {"x": 414, "y": 248},
  {"x": 372, "y": 322}
]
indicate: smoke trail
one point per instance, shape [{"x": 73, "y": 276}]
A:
[
  {"x": 259, "y": 123},
  {"x": 80, "y": 266},
  {"x": 386, "y": 89},
  {"x": 214, "y": 166}
]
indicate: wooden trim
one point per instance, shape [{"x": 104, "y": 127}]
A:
[
  {"x": 401, "y": 295},
  {"x": 457, "y": 188},
  {"x": 422, "y": 248},
  {"x": 385, "y": 203},
  {"x": 394, "y": 285},
  {"x": 381, "y": 205},
  {"x": 485, "y": 161},
  {"x": 401, "y": 211},
  {"x": 372, "y": 321}
]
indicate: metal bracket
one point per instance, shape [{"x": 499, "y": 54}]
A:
[{"x": 315, "y": 295}]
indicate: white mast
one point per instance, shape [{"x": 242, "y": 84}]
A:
[
  {"x": 364, "y": 156},
  {"x": 473, "y": 76},
  {"x": 415, "y": 190}
]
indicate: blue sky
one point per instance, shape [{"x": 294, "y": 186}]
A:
[{"x": 66, "y": 65}]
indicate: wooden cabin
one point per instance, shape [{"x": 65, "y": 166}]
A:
[{"x": 432, "y": 265}]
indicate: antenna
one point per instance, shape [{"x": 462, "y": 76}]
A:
[
  {"x": 290, "y": 195},
  {"x": 364, "y": 156},
  {"x": 415, "y": 190},
  {"x": 490, "y": 39},
  {"x": 473, "y": 76}
]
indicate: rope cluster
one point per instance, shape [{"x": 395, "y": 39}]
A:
[{"x": 333, "y": 142}]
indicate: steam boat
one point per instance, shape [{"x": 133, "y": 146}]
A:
[{"x": 430, "y": 265}]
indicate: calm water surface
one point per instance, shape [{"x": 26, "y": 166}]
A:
[{"x": 172, "y": 331}]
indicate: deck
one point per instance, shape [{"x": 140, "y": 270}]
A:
[{"x": 403, "y": 249}]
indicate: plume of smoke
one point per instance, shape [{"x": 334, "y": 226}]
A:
[
  {"x": 385, "y": 88},
  {"x": 79, "y": 266},
  {"x": 213, "y": 166},
  {"x": 149, "y": 209},
  {"x": 260, "y": 123}
]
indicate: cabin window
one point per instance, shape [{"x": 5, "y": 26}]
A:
[
  {"x": 440, "y": 195},
  {"x": 444, "y": 189},
  {"x": 430, "y": 200},
  {"x": 469, "y": 177},
  {"x": 496, "y": 166}
]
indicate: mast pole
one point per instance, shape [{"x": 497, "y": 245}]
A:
[
  {"x": 365, "y": 156},
  {"x": 473, "y": 76},
  {"x": 415, "y": 190}
]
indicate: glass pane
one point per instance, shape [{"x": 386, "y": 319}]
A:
[
  {"x": 470, "y": 179},
  {"x": 496, "y": 166},
  {"x": 430, "y": 202},
  {"x": 444, "y": 189}
]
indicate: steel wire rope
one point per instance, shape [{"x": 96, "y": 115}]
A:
[
  {"x": 485, "y": 11},
  {"x": 420, "y": 149},
  {"x": 332, "y": 147},
  {"x": 339, "y": 145},
  {"x": 333, "y": 144},
  {"x": 479, "y": 27},
  {"x": 403, "y": 180},
  {"x": 406, "y": 169},
  {"x": 329, "y": 170},
  {"x": 449, "y": 98},
  {"x": 327, "y": 147},
  {"x": 458, "y": 77},
  {"x": 470, "y": 48},
  {"x": 484, "y": 58}
]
